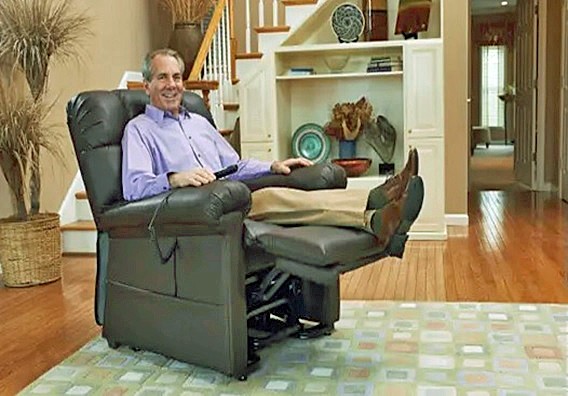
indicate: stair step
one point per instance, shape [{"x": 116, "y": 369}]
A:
[
  {"x": 299, "y": 2},
  {"x": 231, "y": 106},
  {"x": 249, "y": 55},
  {"x": 82, "y": 207},
  {"x": 79, "y": 237},
  {"x": 80, "y": 225},
  {"x": 272, "y": 29},
  {"x": 81, "y": 195}
]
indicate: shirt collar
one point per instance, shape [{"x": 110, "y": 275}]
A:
[{"x": 159, "y": 115}]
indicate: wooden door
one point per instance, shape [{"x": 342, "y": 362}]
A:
[
  {"x": 564, "y": 140},
  {"x": 526, "y": 72},
  {"x": 423, "y": 89}
]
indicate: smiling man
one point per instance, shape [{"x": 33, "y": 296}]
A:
[{"x": 168, "y": 147}]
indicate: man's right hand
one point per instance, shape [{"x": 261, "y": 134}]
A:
[{"x": 195, "y": 177}]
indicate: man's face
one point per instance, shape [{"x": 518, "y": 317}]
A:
[{"x": 166, "y": 86}]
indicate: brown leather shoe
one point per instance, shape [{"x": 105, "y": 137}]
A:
[
  {"x": 399, "y": 215},
  {"x": 385, "y": 222},
  {"x": 403, "y": 177},
  {"x": 395, "y": 186}
]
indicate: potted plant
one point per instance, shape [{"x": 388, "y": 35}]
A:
[
  {"x": 346, "y": 124},
  {"x": 186, "y": 36},
  {"x": 32, "y": 32}
]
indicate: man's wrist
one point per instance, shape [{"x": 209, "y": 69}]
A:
[{"x": 171, "y": 179}]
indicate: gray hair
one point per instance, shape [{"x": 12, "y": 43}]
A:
[{"x": 147, "y": 65}]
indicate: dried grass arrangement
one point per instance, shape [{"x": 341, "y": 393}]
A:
[
  {"x": 188, "y": 11},
  {"x": 23, "y": 131},
  {"x": 32, "y": 32}
]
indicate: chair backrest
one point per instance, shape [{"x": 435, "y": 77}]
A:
[{"x": 96, "y": 121}]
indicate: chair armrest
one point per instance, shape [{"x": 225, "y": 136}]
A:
[
  {"x": 191, "y": 206},
  {"x": 316, "y": 177}
]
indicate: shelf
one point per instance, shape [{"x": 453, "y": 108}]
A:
[
  {"x": 365, "y": 182},
  {"x": 359, "y": 46},
  {"x": 340, "y": 75}
]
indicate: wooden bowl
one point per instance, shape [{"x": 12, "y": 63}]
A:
[{"x": 353, "y": 166}]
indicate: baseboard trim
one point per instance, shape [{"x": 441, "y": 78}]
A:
[
  {"x": 460, "y": 220},
  {"x": 79, "y": 254}
]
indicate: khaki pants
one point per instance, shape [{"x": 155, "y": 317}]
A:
[{"x": 321, "y": 207}]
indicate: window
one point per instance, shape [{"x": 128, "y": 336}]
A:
[{"x": 492, "y": 84}]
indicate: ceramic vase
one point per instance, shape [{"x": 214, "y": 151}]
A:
[
  {"x": 347, "y": 149},
  {"x": 186, "y": 39}
]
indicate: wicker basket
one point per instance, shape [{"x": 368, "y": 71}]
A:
[{"x": 30, "y": 251}]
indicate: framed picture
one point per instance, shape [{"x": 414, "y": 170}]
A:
[{"x": 413, "y": 17}]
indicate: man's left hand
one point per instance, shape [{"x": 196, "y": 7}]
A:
[{"x": 286, "y": 166}]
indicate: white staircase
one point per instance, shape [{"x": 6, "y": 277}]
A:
[
  {"x": 80, "y": 236},
  {"x": 78, "y": 229}
]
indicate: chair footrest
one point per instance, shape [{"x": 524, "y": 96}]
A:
[{"x": 319, "y": 246}]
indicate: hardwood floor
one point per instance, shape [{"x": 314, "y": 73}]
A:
[
  {"x": 514, "y": 250},
  {"x": 42, "y": 325}
]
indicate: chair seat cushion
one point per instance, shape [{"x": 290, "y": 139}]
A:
[{"x": 314, "y": 245}]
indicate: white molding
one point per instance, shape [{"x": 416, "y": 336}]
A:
[
  {"x": 79, "y": 241},
  {"x": 428, "y": 236},
  {"x": 460, "y": 220},
  {"x": 67, "y": 211}
]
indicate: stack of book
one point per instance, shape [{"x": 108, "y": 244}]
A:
[
  {"x": 384, "y": 64},
  {"x": 301, "y": 71}
]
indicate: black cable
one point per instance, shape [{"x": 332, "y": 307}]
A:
[{"x": 154, "y": 235}]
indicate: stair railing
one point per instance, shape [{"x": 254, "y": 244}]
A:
[
  {"x": 262, "y": 6},
  {"x": 214, "y": 69},
  {"x": 214, "y": 59}
]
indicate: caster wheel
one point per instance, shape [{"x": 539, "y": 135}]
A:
[{"x": 113, "y": 344}]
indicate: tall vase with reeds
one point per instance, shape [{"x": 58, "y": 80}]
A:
[
  {"x": 32, "y": 33},
  {"x": 187, "y": 35}
]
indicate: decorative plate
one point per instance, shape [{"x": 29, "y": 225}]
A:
[
  {"x": 347, "y": 22},
  {"x": 309, "y": 141}
]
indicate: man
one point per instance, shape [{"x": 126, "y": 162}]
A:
[{"x": 167, "y": 147}]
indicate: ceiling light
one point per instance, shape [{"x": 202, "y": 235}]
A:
[{"x": 504, "y": 3}]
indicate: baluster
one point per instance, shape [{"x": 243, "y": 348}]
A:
[
  {"x": 248, "y": 30},
  {"x": 261, "y": 13},
  {"x": 274, "y": 12},
  {"x": 207, "y": 74},
  {"x": 219, "y": 76},
  {"x": 227, "y": 45},
  {"x": 214, "y": 54}
]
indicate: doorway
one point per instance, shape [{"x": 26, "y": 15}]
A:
[
  {"x": 492, "y": 90},
  {"x": 564, "y": 110}
]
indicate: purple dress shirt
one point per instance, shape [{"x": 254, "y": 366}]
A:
[{"x": 156, "y": 143}]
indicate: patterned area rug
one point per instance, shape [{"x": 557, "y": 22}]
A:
[{"x": 379, "y": 348}]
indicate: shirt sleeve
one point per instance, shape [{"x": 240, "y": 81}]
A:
[
  {"x": 247, "y": 168},
  {"x": 138, "y": 178}
]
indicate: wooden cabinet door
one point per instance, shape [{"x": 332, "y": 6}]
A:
[
  {"x": 431, "y": 222},
  {"x": 423, "y": 90},
  {"x": 259, "y": 151},
  {"x": 255, "y": 117}
]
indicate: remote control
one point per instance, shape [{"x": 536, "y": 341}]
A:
[{"x": 225, "y": 172}]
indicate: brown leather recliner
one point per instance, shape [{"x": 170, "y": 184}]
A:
[{"x": 230, "y": 285}]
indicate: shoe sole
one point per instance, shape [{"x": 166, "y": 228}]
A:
[
  {"x": 412, "y": 204},
  {"x": 414, "y": 171}
]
